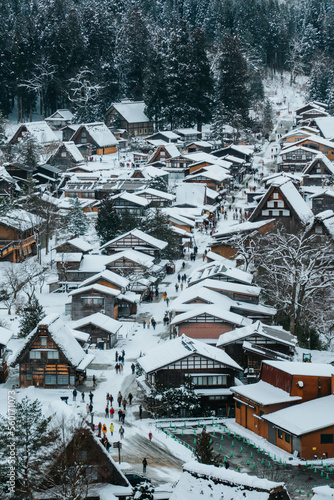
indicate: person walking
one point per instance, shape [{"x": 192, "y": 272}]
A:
[
  {"x": 150, "y": 435},
  {"x": 148, "y": 324},
  {"x": 124, "y": 403},
  {"x": 181, "y": 287},
  {"x": 140, "y": 411},
  {"x": 119, "y": 414},
  {"x": 165, "y": 295},
  {"x": 133, "y": 368},
  {"x": 130, "y": 397},
  {"x": 99, "y": 428},
  {"x": 91, "y": 396},
  {"x": 176, "y": 287},
  {"x": 116, "y": 356},
  {"x": 121, "y": 368},
  {"x": 75, "y": 395},
  {"x": 90, "y": 406},
  {"x": 112, "y": 412},
  {"x": 167, "y": 301},
  {"x": 107, "y": 411},
  {"x": 119, "y": 398},
  {"x": 112, "y": 429},
  {"x": 87, "y": 408},
  {"x": 144, "y": 324},
  {"x": 104, "y": 429},
  {"x": 144, "y": 462},
  {"x": 121, "y": 432},
  {"x": 82, "y": 397},
  {"x": 111, "y": 399},
  {"x": 122, "y": 417}
]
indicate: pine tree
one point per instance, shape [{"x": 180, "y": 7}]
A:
[
  {"x": 143, "y": 491},
  {"x": 156, "y": 224},
  {"x": 267, "y": 120},
  {"x": 28, "y": 151},
  {"x": 109, "y": 222},
  {"x": 76, "y": 221},
  {"x": 158, "y": 183},
  {"x": 34, "y": 441},
  {"x": 31, "y": 315},
  {"x": 204, "y": 450}
]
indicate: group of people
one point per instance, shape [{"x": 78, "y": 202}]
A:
[
  {"x": 147, "y": 323},
  {"x": 120, "y": 356}
]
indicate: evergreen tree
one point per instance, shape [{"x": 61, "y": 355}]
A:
[
  {"x": 109, "y": 222},
  {"x": 204, "y": 449},
  {"x": 31, "y": 315},
  {"x": 158, "y": 183},
  {"x": 267, "y": 120},
  {"x": 28, "y": 151},
  {"x": 156, "y": 224},
  {"x": 34, "y": 440},
  {"x": 143, "y": 491},
  {"x": 232, "y": 86},
  {"x": 129, "y": 221},
  {"x": 76, "y": 221}
]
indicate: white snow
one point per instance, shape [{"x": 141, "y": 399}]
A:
[
  {"x": 305, "y": 369},
  {"x": 137, "y": 233},
  {"x": 98, "y": 319},
  {"x": 264, "y": 394},
  {"x": 131, "y": 111}
]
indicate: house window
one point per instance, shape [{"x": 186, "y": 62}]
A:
[
  {"x": 326, "y": 438},
  {"x": 318, "y": 229},
  {"x": 35, "y": 354},
  {"x": 29, "y": 377},
  {"x": 287, "y": 438},
  {"x": 275, "y": 196},
  {"x": 62, "y": 379},
  {"x": 53, "y": 355},
  {"x": 238, "y": 405},
  {"x": 280, "y": 434},
  {"x": 63, "y": 154},
  {"x": 261, "y": 413},
  {"x": 43, "y": 341},
  {"x": 93, "y": 300},
  {"x": 50, "y": 379}
]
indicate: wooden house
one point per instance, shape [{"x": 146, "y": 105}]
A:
[
  {"x": 325, "y": 127},
  {"x": 92, "y": 299},
  {"x": 68, "y": 131},
  {"x": 67, "y": 262},
  {"x": 282, "y": 384},
  {"x": 319, "y": 144},
  {"x": 283, "y": 202},
  {"x": 195, "y": 146},
  {"x": 244, "y": 153},
  {"x": 51, "y": 357},
  {"x": 66, "y": 155},
  {"x": 19, "y": 172},
  {"x": 59, "y": 119},
  {"x": 252, "y": 344},
  {"x": 74, "y": 245},
  {"x": 177, "y": 220},
  {"x": 308, "y": 116},
  {"x": 8, "y": 185},
  {"x": 5, "y": 336},
  {"x": 164, "y": 135},
  {"x": 207, "y": 322},
  {"x": 322, "y": 201},
  {"x": 101, "y": 329},
  {"x": 108, "y": 278},
  {"x": 163, "y": 152},
  {"x": 235, "y": 291},
  {"x": 209, "y": 481},
  {"x": 95, "y": 138},
  {"x": 318, "y": 171},
  {"x": 40, "y": 131},
  {"x": 224, "y": 241},
  {"x": 214, "y": 176},
  {"x": 221, "y": 271},
  {"x": 136, "y": 240},
  {"x": 130, "y": 262},
  {"x": 188, "y": 134},
  {"x": 295, "y": 158},
  {"x": 157, "y": 198},
  {"x": 130, "y": 202},
  {"x": 212, "y": 371},
  {"x": 18, "y": 233},
  {"x": 47, "y": 174},
  {"x": 129, "y": 115},
  {"x": 296, "y": 135},
  {"x": 306, "y": 429},
  {"x": 309, "y": 106},
  {"x": 323, "y": 224},
  {"x": 100, "y": 476}
]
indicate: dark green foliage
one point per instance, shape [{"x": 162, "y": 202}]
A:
[
  {"x": 156, "y": 224},
  {"x": 31, "y": 315},
  {"x": 34, "y": 440},
  {"x": 204, "y": 450},
  {"x": 159, "y": 184},
  {"x": 267, "y": 120},
  {"x": 76, "y": 221},
  {"x": 109, "y": 223},
  {"x": 28, "y": 152},
  {"x": 143, "y": 491}
]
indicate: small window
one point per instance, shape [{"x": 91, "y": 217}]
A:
[
  {"x": 50, "y": 379},
  {"x": 287, "y": 438},
  {"x": 318, "y": 229},
  {"x": 52, "y": 354},
  {"x": 43, "y": 341},
  {"x": 326, "y": 438},
  {"x": 63, "y": 154},
  {"x": 35, "y": 354},
  {"x": 261, "y": 413},
  {"x": 238, "y": 405},
  {"x": 62, "y": 379},
  {"x": 275, "y": 196},
  {"x": 280, "y": 434},
  {"x": 28, "y": 377}
]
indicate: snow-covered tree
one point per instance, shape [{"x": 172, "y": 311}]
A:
[
  {"x": 143, "y": 491},
  {"x": 77, "y": 223},
  {"x": 204, "y": 450},
  {"x": 34, "y": 439},
  {"x": 296, "y": 273},
  {"x": 31, "y": 315}
]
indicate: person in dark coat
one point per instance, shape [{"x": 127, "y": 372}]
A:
[
  {"x": 107, "y": 411},
  {"x": 133, "y": 368},
  {"x": 140, "y": 411},
  {"x": 130, "y": 396},
  {"x": 91, "y": 396},
  {"x": 75, "y": 395},
  {"x": 144, "y": 462}
]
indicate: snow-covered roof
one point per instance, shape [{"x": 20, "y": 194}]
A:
[
  {"x": 131, "y": 111},
  {"x": 211, "y": 310},
  {"x": 294, "y": 199},
  {"x": 98, "y": 319},
  {"x": 182, "y": 347},
  {"x": 62, "y": 337},
  {"x": 305, "y": 369},
  {"x": 20, "y": 219},
  {"x": 156, "y": 192},
  {"x": 241, "y": 228},
  {"x": 6, "y": 176},
  {"x": 231, "y": 287},
  {"x": 106, "y": 290},
  {"x": 137, "y": 233},
  {"x": 305, "y": 417},
  {"x": 41, "y": 131},
  {"x": 68, "y": 257},
  {"x": 100, "y": 133},
  {"x": 80, "y": 336},
  {"x": 324, "y": 159},
  {"x": 216, "y": 268},
  {"x": 231, "y": 477},
  {"x": 174, "y": 213},
  {"x": 5, "y": 335},
  {"x": 138, "y": 257},
  {"x": 326, "y": 126},
  {"x": 63, "y": 114},
  {"x": 73, "y": 151},
  {"x": 327, "y": 218},
  {"x": 297, "y": 147},
  {"x": 323, "y": 493},
  {"x": 190, "y": 194},
  {"x": 172, "y": 150},
  {"x": 133, "y": 198},
  {"x": 94, "y": 263},
  {"x": 318, "y": 140},
  {"x": 187, "y": 131},
  {"x": 274, "y": 333},
  {"x": 107, "y": 276},
  {"x": 81, "y": 244},
  {"x": 264, "y": 394}
]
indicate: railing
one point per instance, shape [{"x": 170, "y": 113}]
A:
[{"x": 9, "y": 246}]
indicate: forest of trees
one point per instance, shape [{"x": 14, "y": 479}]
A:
[{"x": 172, "y": 53}]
